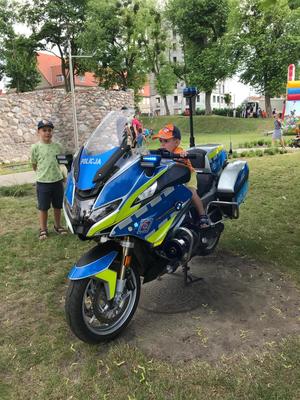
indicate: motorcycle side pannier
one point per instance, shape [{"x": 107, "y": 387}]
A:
[{"x": 233, "y": 185}]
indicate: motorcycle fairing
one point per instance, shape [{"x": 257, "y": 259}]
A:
[
  {"x": 129, "y": 179},
  {"x": 152, "y": 221},
  {"x": 126, "y": 207},
  {"x": 89, "y": 164},
  {"x": 70, "y": 189}
]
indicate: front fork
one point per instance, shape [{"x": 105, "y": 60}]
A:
[{"x": 127, "y": 245}]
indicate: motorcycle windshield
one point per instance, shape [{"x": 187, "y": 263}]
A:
[{"x": 108, "y": 134}]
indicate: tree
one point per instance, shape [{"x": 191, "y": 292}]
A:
[
  {"x": 18, "y": 57},
  {"x": 114, "y": 33},
  {"x": 227, "y": 99},
  {"x": 209, "y": 56},
  {"x": 20, "y": 63},
  {"x": 156, "y": 45},
  {"x": 270, "y": 40},
  {"x": 53, "y": 23},
  {"x": 7, "y": 19}
]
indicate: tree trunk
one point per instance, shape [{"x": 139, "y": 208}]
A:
[
  {"x": 207, "y": 103},
  {"x": 166, "y": 105},
  {"x": 268, "y": 105}
]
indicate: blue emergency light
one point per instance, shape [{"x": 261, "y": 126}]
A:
[
  {"x": 150, "y": 161},
  {"x": 190, "y": 91}
]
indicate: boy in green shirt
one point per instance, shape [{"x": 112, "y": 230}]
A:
[{"x": 49, "y": 185}]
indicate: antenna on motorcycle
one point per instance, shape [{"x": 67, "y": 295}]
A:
[{"x": 189, "y": 93}]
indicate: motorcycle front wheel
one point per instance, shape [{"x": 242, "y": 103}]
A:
[{"x": 92, "y": 317}]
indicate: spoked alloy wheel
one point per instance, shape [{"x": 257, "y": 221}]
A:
[{"x": 92, "y": 317}]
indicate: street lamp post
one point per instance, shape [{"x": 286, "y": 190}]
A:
[
  {"x": 75, "y": 126},
  {"x": 189, "y": 93}
]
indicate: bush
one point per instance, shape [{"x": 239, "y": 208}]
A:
[
  {"x": 260, "y": 142},
  {"x": 259, "y": 153},
  {"x": 270, "y": 151},
  {"x": 225, "y": 112}
]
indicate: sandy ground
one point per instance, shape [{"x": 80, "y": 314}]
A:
[{"x": 238, "y": 309}]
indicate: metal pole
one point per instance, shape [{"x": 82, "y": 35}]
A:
[
  {"x": 192, "y": 139},
  {"x": 73, "y": 97}
]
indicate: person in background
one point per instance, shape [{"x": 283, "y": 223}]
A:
[
  {"x": 277, "y": 134},
  {"x": 140, "y": 139},
  {"x": 170, "y": 138},
  {"x": 49, "y": 178},
  {"x": 136, "y": 124}
]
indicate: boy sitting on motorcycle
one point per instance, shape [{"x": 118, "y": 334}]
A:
[{"x": 170, "y": 138}]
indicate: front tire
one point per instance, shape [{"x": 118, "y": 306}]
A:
[{"x": 83, "y": 315}]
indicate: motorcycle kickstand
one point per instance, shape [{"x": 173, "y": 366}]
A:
[{"x": 188, "y": 278}]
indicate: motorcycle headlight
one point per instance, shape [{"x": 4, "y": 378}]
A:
[
  {"x": 149, "y": 192},
  {"x": 102, "y": 212}
]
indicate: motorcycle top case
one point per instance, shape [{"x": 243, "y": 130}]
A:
[{"x": 233, "y": 182}]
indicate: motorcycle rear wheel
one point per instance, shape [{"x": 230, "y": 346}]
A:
[
  {"x": 83, "y": 320},
  {"x": 209, "y": 247}
]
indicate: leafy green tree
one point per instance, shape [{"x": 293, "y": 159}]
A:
[
  {"x": 53, "y": 23},
  {"x": 20, "y": 63},
  {"x": 114, "y": 33},
  {"x": 227, "y": 99},
  {"x": 209, "y": 55},
  {"x": 270, "y": 40},
  {"x": 156, "y": 45},
  {"x": 165, "y": 82},
  {"x": 18, "y": 57},
  {"x": 7, "y": 19}
]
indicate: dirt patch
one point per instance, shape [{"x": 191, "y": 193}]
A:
[{"x": 238, "y": 308}]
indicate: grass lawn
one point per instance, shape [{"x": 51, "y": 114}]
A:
[
  {"x": 40, "y": 359},
  {"x": 13, "y": 168},
  {"x": 214, "y": 128}
]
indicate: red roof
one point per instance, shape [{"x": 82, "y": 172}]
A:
[{"x": 50, "y": 67}]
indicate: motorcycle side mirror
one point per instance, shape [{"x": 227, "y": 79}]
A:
[{"x": 65, "y": 159}]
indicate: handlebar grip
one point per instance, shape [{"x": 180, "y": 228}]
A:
[{"x": 166, "y": 154}]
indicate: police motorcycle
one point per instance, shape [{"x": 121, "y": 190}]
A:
[{"x": 138, "y": 211}]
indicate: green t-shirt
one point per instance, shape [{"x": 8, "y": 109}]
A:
[{"x": 44, "y": 156}]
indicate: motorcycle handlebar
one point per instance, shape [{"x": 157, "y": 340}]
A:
[{"x": 166, "y": 154}]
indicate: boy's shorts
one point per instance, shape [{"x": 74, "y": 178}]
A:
[
  {"x": 192, "y": 183},
  {"x": 49, "y": 193}
]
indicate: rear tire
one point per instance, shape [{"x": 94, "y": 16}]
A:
[
  {"x": 81, "y": 317},
  {"x": 209, "y": 248}
]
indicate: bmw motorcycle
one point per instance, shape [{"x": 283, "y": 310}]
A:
[{"x": 138, "y": 211}]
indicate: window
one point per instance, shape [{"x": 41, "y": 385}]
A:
[
  {"x": 174, "y": 59},
  {"x": 158, "y": 100},
  {"x": 59, "y": 78},
  {"x": 223, "y": 89},
  {"x": 198, "y": 98},
  {"x": 175, "y": 99},
  {"x": 218, "y": 99},
  {"x": 222, "y": 99},
  {"x": 214, "y": 99},
  {"x": 175, "y": 86}
]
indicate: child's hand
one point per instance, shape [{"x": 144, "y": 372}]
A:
[{"x": 183, "y": 154}]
